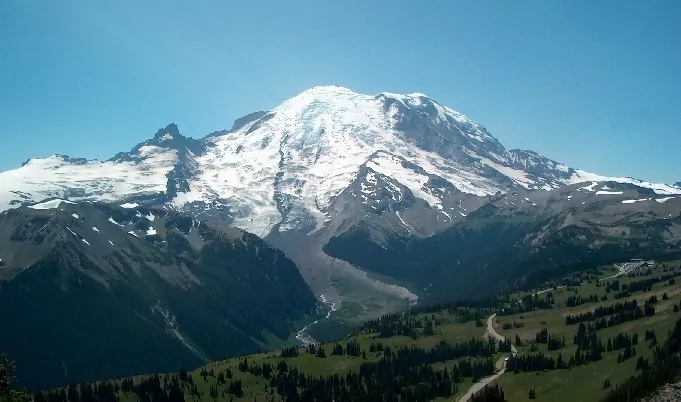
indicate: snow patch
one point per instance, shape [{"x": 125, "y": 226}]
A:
[
  {"x": 50, "y": 204},
  {"x": 75, "y": 216},
  {"x": 580, "y": 176},
  {"x": 391, "y": 166},
  {"x": 151, "y": 232},
  {"x": 602, "y": 192},
  {"x": 85, "y": 241},
  {"x": 371, "y": 178},
  {"x": 403, "y": 222},
  {"x": 95, "y": 229},
  {"x": 365, "y": 189},
  {"x": 129, "y": 205},
  {"x": 663, "y": 200},
  {"x": 132, "y": 233},
  {"x": 519, "y": 176},
  {"x": 114, "y": 222},
  {"x": 590, "y": 187}
]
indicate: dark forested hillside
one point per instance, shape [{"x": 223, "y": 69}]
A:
[{"x": 92, "y": 291}]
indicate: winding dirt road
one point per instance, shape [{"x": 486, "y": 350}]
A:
[
  {"x": 500, "y": 365},
  {"x": 494, "y": 334}
]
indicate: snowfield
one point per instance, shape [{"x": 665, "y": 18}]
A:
[{"x": 56, "y": 176}]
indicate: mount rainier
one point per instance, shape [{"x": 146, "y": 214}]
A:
[{"x": 323, "y": 162}]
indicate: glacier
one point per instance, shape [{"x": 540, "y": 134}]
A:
[{"x": 284, "y": 168}]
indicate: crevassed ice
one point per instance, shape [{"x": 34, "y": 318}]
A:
[{"x": 318, "y": 140}]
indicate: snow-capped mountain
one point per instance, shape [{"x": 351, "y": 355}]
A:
[
  {"x": 284, "y": 168},
  {"x": 320, "y": 163}
]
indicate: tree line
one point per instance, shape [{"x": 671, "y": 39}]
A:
[
  {"x": 404, "y": 374},
  {"x": 492, "y": 393},
  {"x": 577, "y": 300},
  {"x": 411, "y": 325},
  {"x": 601, "y": 311},
  {"x": 529, "y": 303},
  {"x": 617, "y": 318}
]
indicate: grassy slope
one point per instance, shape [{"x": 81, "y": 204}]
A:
[
  {"x": 256, "y": 387},
  {"x": 586, "y": 382},
  {"x": 579, "y": 384}
]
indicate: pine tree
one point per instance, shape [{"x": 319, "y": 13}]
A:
[
  {"x": 7, "y": 394},
  {"x": 320, "y": 352},
  {"x": 428, "y": 329},
  {"x": 235, "y": 388},
  {"x": 337, "y": 350},
  {"x": 243, "y": 365}
]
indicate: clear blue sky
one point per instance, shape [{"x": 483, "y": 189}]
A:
[{"x": 594, "y": 84}]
